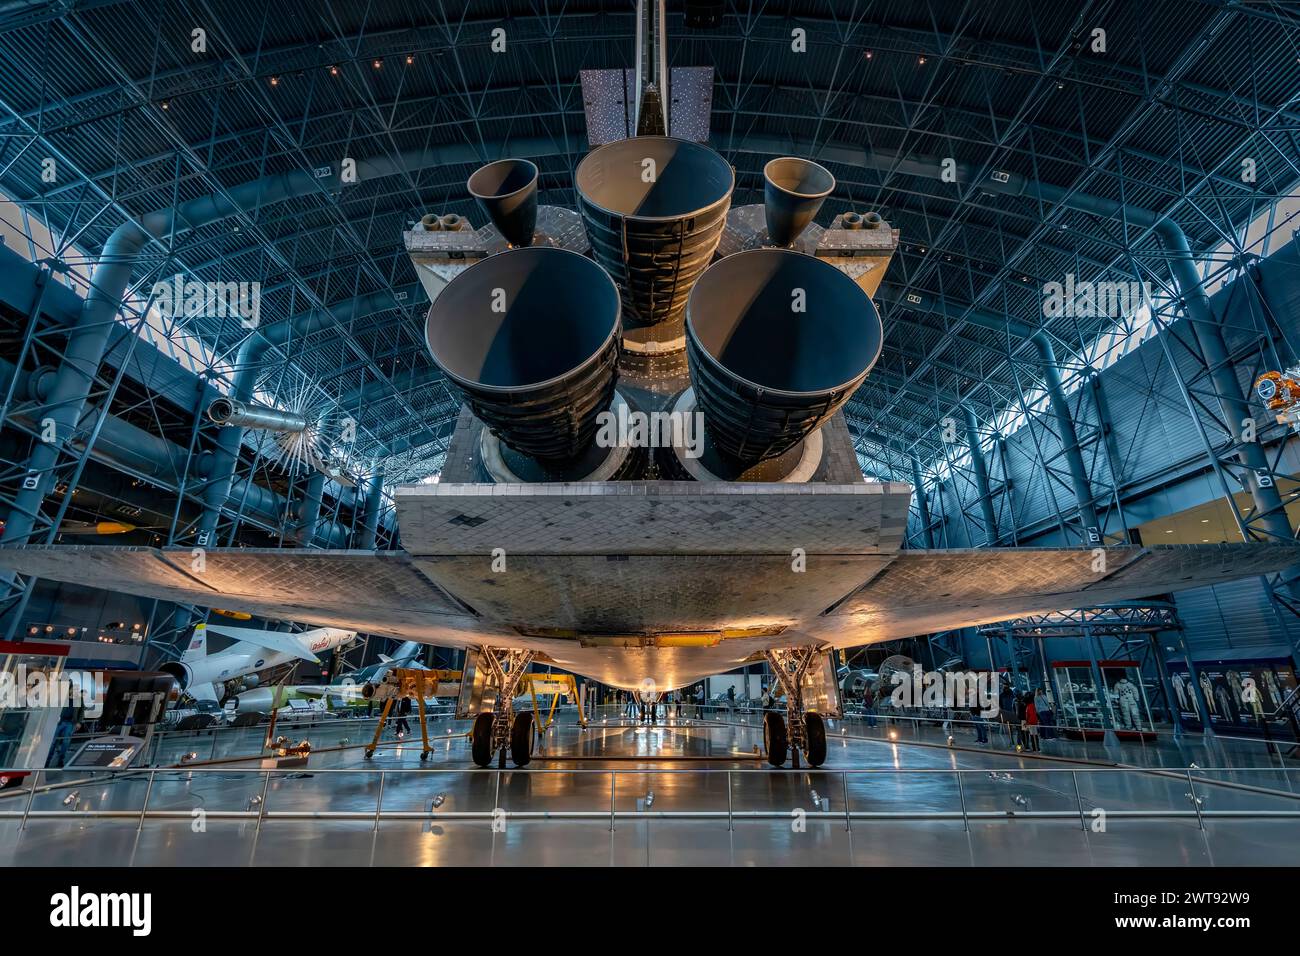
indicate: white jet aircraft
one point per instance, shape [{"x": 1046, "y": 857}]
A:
[{"x": 203, "y": 675}]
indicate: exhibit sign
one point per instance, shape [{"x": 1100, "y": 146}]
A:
[{"x": 1242, "y": 695}]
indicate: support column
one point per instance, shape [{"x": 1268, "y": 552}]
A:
[
  {"x": 1091, "y": 530},
  {"x": 922, "y": 504},
  {"x": 309, "y": 511},
  {"x": 981, "y": 475},
  {"x": 370, "y": 520},
  {"x": 1171, "y": 701}
]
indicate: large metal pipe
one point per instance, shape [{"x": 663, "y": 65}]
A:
[
  {"x": 776, "y": 341},
  {"x": 309, "y": 508},
  {"x": 108, "y": 284},
  {"x": 654, "y": 208},
  {"x": 133, "y": 451},
  {"x": 227, "y": 411},
  {"x": 112, "y": 274},
  {"x": 370, "y": 521},
  {"x": 248, "y": 364},
  {"x": 530, "y": 338},
  {"x": 793, "y": 192},
  {"x": 507, "y": 191}
]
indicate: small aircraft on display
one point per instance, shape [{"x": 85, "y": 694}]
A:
[{"x": 205, "y": 676}]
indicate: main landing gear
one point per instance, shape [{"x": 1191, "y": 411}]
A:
[
  {"x": 797, "y": 731},
  {"x": 500, "y": 729}
]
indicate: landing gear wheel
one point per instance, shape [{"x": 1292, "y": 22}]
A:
[
  {"x": 424, "y": 756},
  {"x": 521, "y": 739},
  {"x": 815, "y": 729},
  {"x": 775, "y": 742},
  {"x": 480, "y": 740}
]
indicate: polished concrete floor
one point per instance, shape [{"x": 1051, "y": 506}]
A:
[{"x": 904, "y": 802}]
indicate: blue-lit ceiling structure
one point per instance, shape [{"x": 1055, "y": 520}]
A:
[{"x": 289, "y": 145}]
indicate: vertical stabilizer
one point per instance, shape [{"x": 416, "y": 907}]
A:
[{"x": 198, "y": 648}]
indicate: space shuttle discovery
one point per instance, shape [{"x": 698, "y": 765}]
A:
[
  {"x": 205, "y": 676},
  {"x": 651, "y": 561}
]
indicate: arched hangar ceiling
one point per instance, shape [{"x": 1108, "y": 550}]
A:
[{"x": 137, "y": 119}]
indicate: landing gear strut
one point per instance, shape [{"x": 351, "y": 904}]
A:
[
  {"x": 799, "y": 731},
  {"x": 501, "y": 729}
]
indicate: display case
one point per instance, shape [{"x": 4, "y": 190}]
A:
[
  {"x": 27, "y": 733},
  {"x": 1078, "y": 712},
  {"x": 1126, "y": 699}
]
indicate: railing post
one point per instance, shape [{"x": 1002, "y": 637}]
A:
[
  {"x": 1079, "y": 797},
  {"x": 379, "y": 802},
  {"x": 848, "y": 818},
  {"x": 1195, "y": 802},
  {"x": 730, "y": 822},
  {"x": 148, "y": 791},
  {"x": 613, "y": 787},
  {"x": 31, "y": 797},
  {"x": 961, "y": 792},
  {"x": 261, "y": 806}
]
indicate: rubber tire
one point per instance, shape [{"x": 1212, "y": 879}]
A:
[
  {"x": 815, "y": 729},
  {"x": 521, "y": 739},
  {"x": 480, "y": 740},
  {"x": 776, "y": 743}
]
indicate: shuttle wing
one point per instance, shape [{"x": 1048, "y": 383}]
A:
[
  {"x": 921, "y": 592},
  {"x": 859, "y": 598}
]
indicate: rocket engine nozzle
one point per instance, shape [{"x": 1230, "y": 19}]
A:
[
  {"x": 530, "y": 338},
  {"x": 777, "y": 341},
  {"x": 793, "y": 192},
  {"x": 507, "y": 191}
]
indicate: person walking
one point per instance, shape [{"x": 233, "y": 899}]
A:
[
  {"x": 981, "y": 728},
  {"x": 869, "y": 704},
  {"x": 1031, "y": 724},
  {"x": 1007, "y": 710},
  {"x": 69, "y": 720},
  {"x": 403, "y": 712},
  {"x": 1022, "y": 725}
]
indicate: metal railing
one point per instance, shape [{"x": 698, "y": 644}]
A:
[{"x": 1199, "y": 784}]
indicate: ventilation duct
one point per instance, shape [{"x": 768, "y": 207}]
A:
[{"x": 227, "y": 411}]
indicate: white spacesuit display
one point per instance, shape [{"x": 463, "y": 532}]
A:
[
  {"x": 1248, "y": 696},
  {"x": 1127, "y": 709},
  {"x": 1186, "y": 699},
  {"x": 1275, "y": 695},
  {"x": 1208, "y": 689}
]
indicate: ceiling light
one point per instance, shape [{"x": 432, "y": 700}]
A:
[
  {"x": 867, "y": 54},
  {"x": 275, "y": 81},
  {"x": 1170, "y": 531},
  {"x": 921, "y": 60},
  {"x": 334, "y": 71},
  {"x": 378, "y": 64},
  {"x": 1205, "y": 521},
  {"x": 409, "y": 59}
]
